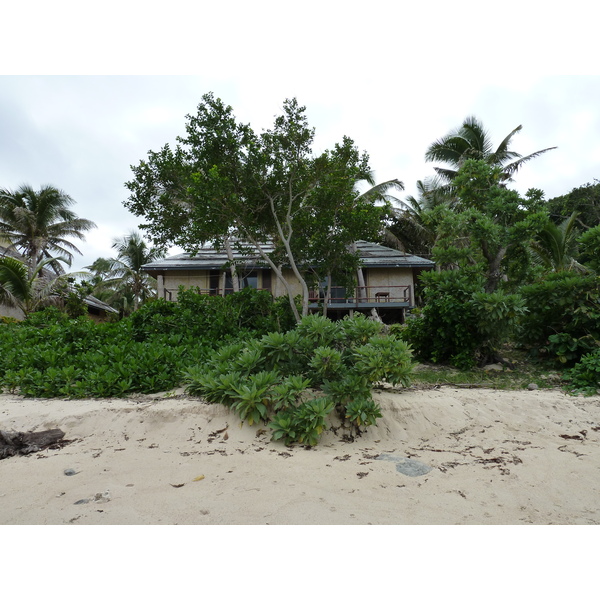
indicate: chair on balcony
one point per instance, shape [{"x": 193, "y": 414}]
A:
[{"x": 382, "y": 297}]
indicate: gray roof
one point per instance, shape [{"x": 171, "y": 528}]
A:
[
  {"x": 372, "y": 255},
  {"x": 375, "y": 255},
  {"x": 94, "y": 302}
]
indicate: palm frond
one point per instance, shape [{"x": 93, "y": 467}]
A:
[{"x": 513, "y": 167}]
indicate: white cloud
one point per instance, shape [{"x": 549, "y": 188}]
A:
[{"x": 392, "y": 76}]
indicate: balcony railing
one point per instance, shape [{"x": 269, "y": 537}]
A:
[
  {"x": 376, "y": 294},
  {"x": 170, "y": 293}
]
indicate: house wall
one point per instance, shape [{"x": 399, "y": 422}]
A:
[
  {"x": 9, "y": 311},
  {"x": 278, "y": 287},
  {"x": 172, "y": 281},
  {"x": 380, "y": 280}
]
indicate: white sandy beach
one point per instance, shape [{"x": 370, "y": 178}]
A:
[{"x": 491, "y": 457}]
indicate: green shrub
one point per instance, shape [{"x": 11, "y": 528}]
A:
[
  {"x": 50, "y": 355},
  {"x": 584, "y": 377},
  {"x": 460, "y": 324},
  {"x": 564, "y": 304},
  {"x": 268, "y": 379}
]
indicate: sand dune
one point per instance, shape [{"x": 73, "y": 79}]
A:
[{"x": 444, "y": 456}]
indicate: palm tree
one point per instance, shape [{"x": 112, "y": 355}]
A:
[
  {"x": 471, "y": 140},
  {"x": 555, "y": 247},
  {"x": 126, "y": 270},
  {"x": 409, "y": 230},
  {"x": 30, "y": 290},
  {"x": 37, "y": 223},
  {"x": 380, "y": 192}
]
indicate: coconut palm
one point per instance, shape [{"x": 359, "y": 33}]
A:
[
  {"x": 126, "y": 275},
  {"x": 38, "y": 223},
  {"x": 409, "y": 230},
  {"x": 555, "y": 246},
  {"x": 378, "y": 192},
  {"x": 471, "y": 140},
  {"x": 30, "y": 290}
]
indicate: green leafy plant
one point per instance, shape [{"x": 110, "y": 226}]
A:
[
  {"x": 363, "y": 412},
  {"x": 584, "y": 377},
  {"x": 293, "y": 380}
]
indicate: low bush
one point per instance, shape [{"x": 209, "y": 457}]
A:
[
  {"x": 48, "y": 356},
  {"x": 460, "y": 324},
  {"x": 293, "y": 380},
  {"x": 562, "y": 322},
  {"x": 201, "y": 316},
  {"x": 584, "y": 377}
]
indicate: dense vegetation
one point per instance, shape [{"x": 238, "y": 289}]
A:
[
  {"x": 50, "y": 355},
  {"x": 243, "y": 350},
  {"x": 509, "y": 274}
]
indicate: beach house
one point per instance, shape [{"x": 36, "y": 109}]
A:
[{"x": 389, "y": 278}]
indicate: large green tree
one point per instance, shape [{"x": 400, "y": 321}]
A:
[
  {"x": 224, "y": 181},
  {"x": 488, "y": 225},
  {"x": 38, "y": 224}
]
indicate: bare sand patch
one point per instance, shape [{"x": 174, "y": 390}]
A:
[{"x": 491, "y": 457}]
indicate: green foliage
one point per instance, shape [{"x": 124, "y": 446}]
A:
[
  {"x": 326, "y": 362},
  {"x": 196, "y": 315},
  {"x": 460, "y": 324},
  {"x": 472, "y": 141},
  {"x": 363, "y": 412},
  {"x": 303, "y": 424},
  {"x": 256, "y": 187},
  {"x": 563, "y": 318},
  {"x": 30, "y": 288},
  {"x": 555, "y": 246},
  {"x": 584, "y": 200},
  {"x": 487, "y": 223},
  {"x": 36, "y": 223},
  {"x": 584, "y": 377},
  {"x": 589, "y": 247},
  {"x": 74, "y": 303},
  {"x": 4, "y": 320},
  {"x": 50, "y": 355},
  {"x": 384, "y": 359},
  {"x": 292, "y": 380}
]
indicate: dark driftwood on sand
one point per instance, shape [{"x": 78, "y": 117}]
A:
[{"x": 17, "y": 442}]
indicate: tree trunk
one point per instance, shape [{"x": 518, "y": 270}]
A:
[
  {"x": 279, "y": 274},
  {"x": 17, "y": 442},
  {"x": 327, "y": 297},
  {"x": 494, "y": 273},
  {"x": 360, "y": 279},
  {"x": 234, "y": 276}
]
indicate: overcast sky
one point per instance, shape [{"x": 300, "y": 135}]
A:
[{"x": 393, "y": 79}]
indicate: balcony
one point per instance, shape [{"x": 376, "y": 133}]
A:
[
  {"x": 390, "y": 296},
  {"x": 170, "y": 293},
  {"x": 379, "y": 296}
]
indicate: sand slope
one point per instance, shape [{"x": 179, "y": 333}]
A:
[{"x": 496, "y": 457}]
